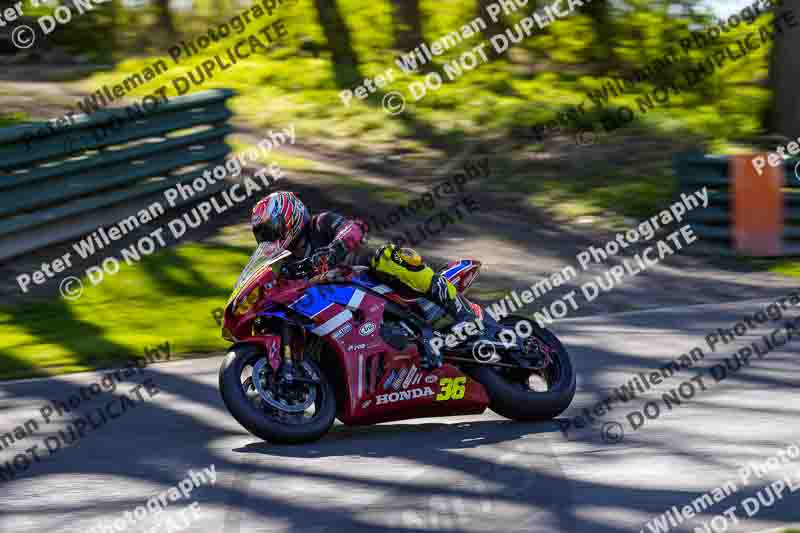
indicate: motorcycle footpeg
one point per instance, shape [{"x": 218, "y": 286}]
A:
[
  {"x": 429, "y": 359},
  {"x": 433, "y": 364}
]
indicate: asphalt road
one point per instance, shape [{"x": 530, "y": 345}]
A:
[{"x": 477, "y": 473}]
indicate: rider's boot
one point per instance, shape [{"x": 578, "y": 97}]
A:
[
  {"x": 445, "y": 295},
  {"x": 406, "y": 265}
]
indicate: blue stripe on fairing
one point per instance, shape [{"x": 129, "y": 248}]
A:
[
  {"x": 278, "y": 314},
  {"x": 365, "y": 281},
  {"x": 371, "y": 284},
  {"x": 318, "y": 297}
]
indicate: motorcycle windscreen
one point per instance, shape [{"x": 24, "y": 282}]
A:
[{"x": 266, "y": 256}]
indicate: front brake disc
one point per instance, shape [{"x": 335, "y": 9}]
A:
[{"x": 270, "y": 398}]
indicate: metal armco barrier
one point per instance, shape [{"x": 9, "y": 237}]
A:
[
  {"x": 59, "y": 183},
  {"x": 755, "y": 215}
]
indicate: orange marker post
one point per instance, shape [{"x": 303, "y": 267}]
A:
[{"x": 757, "y": 207}]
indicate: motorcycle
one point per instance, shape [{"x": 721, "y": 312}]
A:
[{"x": 312, "y": 346}]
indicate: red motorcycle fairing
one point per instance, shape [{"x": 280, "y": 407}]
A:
[
  {"x": 239, "y": 314},
  {"x": 381, "y": 383},
  {"x": 271, "y": 345},
  {"x": 384, "y": 384}
]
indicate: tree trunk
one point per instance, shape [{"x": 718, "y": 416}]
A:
[
  {"x": 784, "y": 73},
  {"x": 337, "y": 35},
  {"x": 602, "y": 51},
  {"x": 164, "y": 17},
  {"x": 494, "y": 27},
  {"x": 407, "y": 24}
]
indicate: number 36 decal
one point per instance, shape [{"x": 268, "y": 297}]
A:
[{"x": 452, "y": 388}]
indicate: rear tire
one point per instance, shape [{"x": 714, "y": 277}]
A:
[
  {"x": 257, "y": 421},
  {"x": 512, "y": 401}
]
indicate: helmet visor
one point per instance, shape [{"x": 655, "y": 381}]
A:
[{"x": 268, "y": 233}]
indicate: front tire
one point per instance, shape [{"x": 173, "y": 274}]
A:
[
  {"x": 508, "y": 392},
  {"x": 258, "y": 418}
]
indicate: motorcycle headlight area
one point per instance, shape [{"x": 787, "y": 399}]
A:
[{"x": 248, "y": 303}]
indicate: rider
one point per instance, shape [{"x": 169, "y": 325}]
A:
[{"x": 329, "y": 238}]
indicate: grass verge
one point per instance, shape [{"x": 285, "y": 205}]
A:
[
  {"x": 787, "y": 268},
  {"x": 168, "y": 296}
]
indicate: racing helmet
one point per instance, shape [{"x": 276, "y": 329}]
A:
[{"x": 280, "y": 218}]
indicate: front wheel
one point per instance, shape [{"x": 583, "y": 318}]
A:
[
  {"x": 531, "y": 394},
  {"x": 276, "y": 411}
]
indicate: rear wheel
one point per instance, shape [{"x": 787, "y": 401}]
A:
[
  {"x": 270, "y": 408},
  {"x": 531, "y": 394}
]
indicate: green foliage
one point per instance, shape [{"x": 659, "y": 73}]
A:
[
  {"x": 290, "y": 83},
  {"x": 91, "y": 34},
  {"x": 788, "y": 268},
  {"x": 12, "y": 119},
  {"x": 628, "y": 195},
  {"x": 546, "y": 73}
]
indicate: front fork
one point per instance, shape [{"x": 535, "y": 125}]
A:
[
  {"x": 294, "y": 369},
  {"x": 286, "y": 370}
]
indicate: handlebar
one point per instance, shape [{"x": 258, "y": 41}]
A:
[
  {"x": 298, "y": 269},
  {"x": 302, "y": 269}
]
